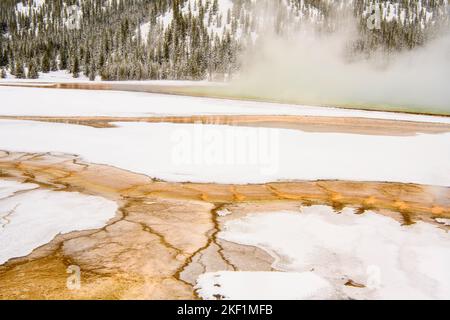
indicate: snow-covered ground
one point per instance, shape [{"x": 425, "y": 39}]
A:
[
  {"x": 52, "y": 76},
  {"x": 319, "y": 248},
  {"x": 62, "y": 76},
  {"x": 276, "y": 286},
  {"x": 8, "y": 188},
  {"x": 18, "y": 101},
  {"x": 228, "y": 154},
  {"x": 445, "y": 222},
  {"x": 33, "y": 218}
]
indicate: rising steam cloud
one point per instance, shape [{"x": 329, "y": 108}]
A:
[{"x": 313, "y": 69}]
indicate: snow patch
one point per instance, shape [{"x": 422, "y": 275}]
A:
[
  {"x": 263, "y": 286},
  {"x": 223, "y": 212},
  {"x": 31, "y": 219},
  {"x": 10, "y": 187},
  {"x": 26, "y": 9},
  {"x": 154, "y": 149},
  {"x": 443, "y": 221},
  {"x": 389, "y": 260}
]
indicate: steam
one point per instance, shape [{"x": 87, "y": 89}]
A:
[{"x": 313, "y": 69}]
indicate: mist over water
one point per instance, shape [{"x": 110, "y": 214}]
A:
[{"x": 315, "y": 69}]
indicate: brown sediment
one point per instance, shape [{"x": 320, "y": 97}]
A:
[
  {"x": 166, "y": 234},
  {"x": 365, "y": 126},
  {"x": 351, "y": 283}
]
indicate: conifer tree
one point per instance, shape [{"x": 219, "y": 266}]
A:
[
  {"x": 76, "y": 67},
  {"x": 92, "y": 71},
  {"x": 45, "y": 65},
  {"x": 196, "y": 38},
  {"x": 19, "y": 70},
  {"x": 53, "y": 64},
  {"x": 215, "y": 7},
  {"x": 63, "y": 59},
  {"x": 32, "y": 71}
]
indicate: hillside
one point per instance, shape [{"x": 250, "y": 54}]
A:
[{"x": 191, "y": 39}]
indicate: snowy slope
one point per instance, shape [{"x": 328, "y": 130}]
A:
[{"x": 216, "y": 22}]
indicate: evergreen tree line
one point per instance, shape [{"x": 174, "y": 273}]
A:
[{"x": 187, "y": 39}]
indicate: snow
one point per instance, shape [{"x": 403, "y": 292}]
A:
[
  {"x": 144, "y": 28},
  {"x": 63, "y": 76},
  {"x": 50, "y": 77},
  {"x": 391, "y": 261},
  {"x": 57, "y": 76},
  {"x": 19, "y": 101},
  {"x": 223, "y": 212},
  {"x": 24, "y": 9},
  {"x": 240, "y": 155},
  {"x": 9, "y": 188},
  {"x": 393, "y": 11},
  {"x": 166, "y": 19},
  {"x": 35, "y": 7},
  {"x": 248, "y": 286},
  {"x": 43, "y": 214},
  {"x": 261, "y": 17},
  {"x": 443, "y": 221}
]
